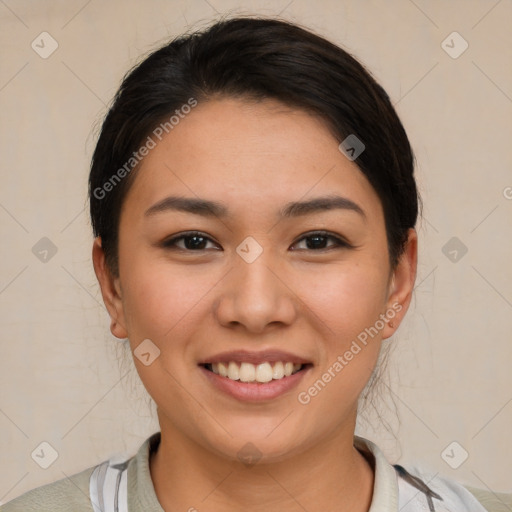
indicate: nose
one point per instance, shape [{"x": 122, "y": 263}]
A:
[{"x": 256, "y": 296}]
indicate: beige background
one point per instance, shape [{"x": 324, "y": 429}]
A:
[{"x": 62, "y": 375}]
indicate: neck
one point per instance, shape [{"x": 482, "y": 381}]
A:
[{"x": 332, "y": 475}]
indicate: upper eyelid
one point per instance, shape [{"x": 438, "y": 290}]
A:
[
  {"x": 187, "y": 234},
  {"x": 340, "y": 240}
]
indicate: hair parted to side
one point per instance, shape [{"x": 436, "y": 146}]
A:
[{"x": 255, "y": 58}]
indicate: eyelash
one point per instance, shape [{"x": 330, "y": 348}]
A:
[{"x": 339, "y": 242}]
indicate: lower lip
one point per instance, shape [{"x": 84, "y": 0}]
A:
[{"x": 254, "y": 391}]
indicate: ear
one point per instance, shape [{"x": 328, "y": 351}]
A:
[
  {"x": 110, "y": 290},
  {"x": 401, "y": 285}
]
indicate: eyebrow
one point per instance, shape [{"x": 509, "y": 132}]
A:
[{"x": 208, "y": 208}]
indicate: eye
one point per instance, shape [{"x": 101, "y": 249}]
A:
[
  {"x": 317, "y": 241},
  {"x": 192, "y": 241},
  {"x": 197, "y": 241}
]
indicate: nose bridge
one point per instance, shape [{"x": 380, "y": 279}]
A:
[
  {"x": 256, "y": 277},
  {"x": 255, "y": 295}
]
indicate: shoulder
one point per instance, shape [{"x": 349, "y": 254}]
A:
[
  {"x": 448, "y": 494},
  {"x": 70, "y": 493},
  {"x": 492, "y": 501},
  {"x": 104, "y": 486}
]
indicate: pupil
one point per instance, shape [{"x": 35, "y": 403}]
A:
[
  {"x": 194, "y": 245},
  {"x": 319, "y": 241}
]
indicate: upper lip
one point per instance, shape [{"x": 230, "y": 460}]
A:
[{"x": 264, "y": 356}]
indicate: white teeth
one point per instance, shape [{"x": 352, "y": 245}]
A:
[
  {"x": 233, "y": 371},
  {"x": 264, "y": 372},
  {"x": 223, "y": 370},
  {"x": 247, "y": 372},
  {"x": 278, "y": 371}
]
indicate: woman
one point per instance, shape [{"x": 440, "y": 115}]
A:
[{"x": 253, "y": 199}]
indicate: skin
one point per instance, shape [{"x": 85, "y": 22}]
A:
[{"x": 254, "y": 158}]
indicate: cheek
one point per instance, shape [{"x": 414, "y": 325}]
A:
[
  {"x": 346, "y": 298},
  {"x": 348, "y": 304},
  {"x": 159, "y": 299},
  {"x": 162, "y": 304}
]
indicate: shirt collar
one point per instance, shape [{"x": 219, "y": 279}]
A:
[
  {"x": 385, "y": 487},
  {"x": 141, "y": 491}
]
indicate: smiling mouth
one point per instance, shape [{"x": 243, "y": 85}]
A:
[{"x": 258, "y": 373}]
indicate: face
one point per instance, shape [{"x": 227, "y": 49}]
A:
[{"x": 273, "y": 279}]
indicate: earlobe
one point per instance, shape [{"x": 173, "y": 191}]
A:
[
  {"x": 402, "y": 285},
  {"x": 110, "y": 290}
]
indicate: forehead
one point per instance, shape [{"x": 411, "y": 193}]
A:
[{"x": 251, "y": 155}]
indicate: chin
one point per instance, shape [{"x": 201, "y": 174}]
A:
[{"x": 256, "y": 442}]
